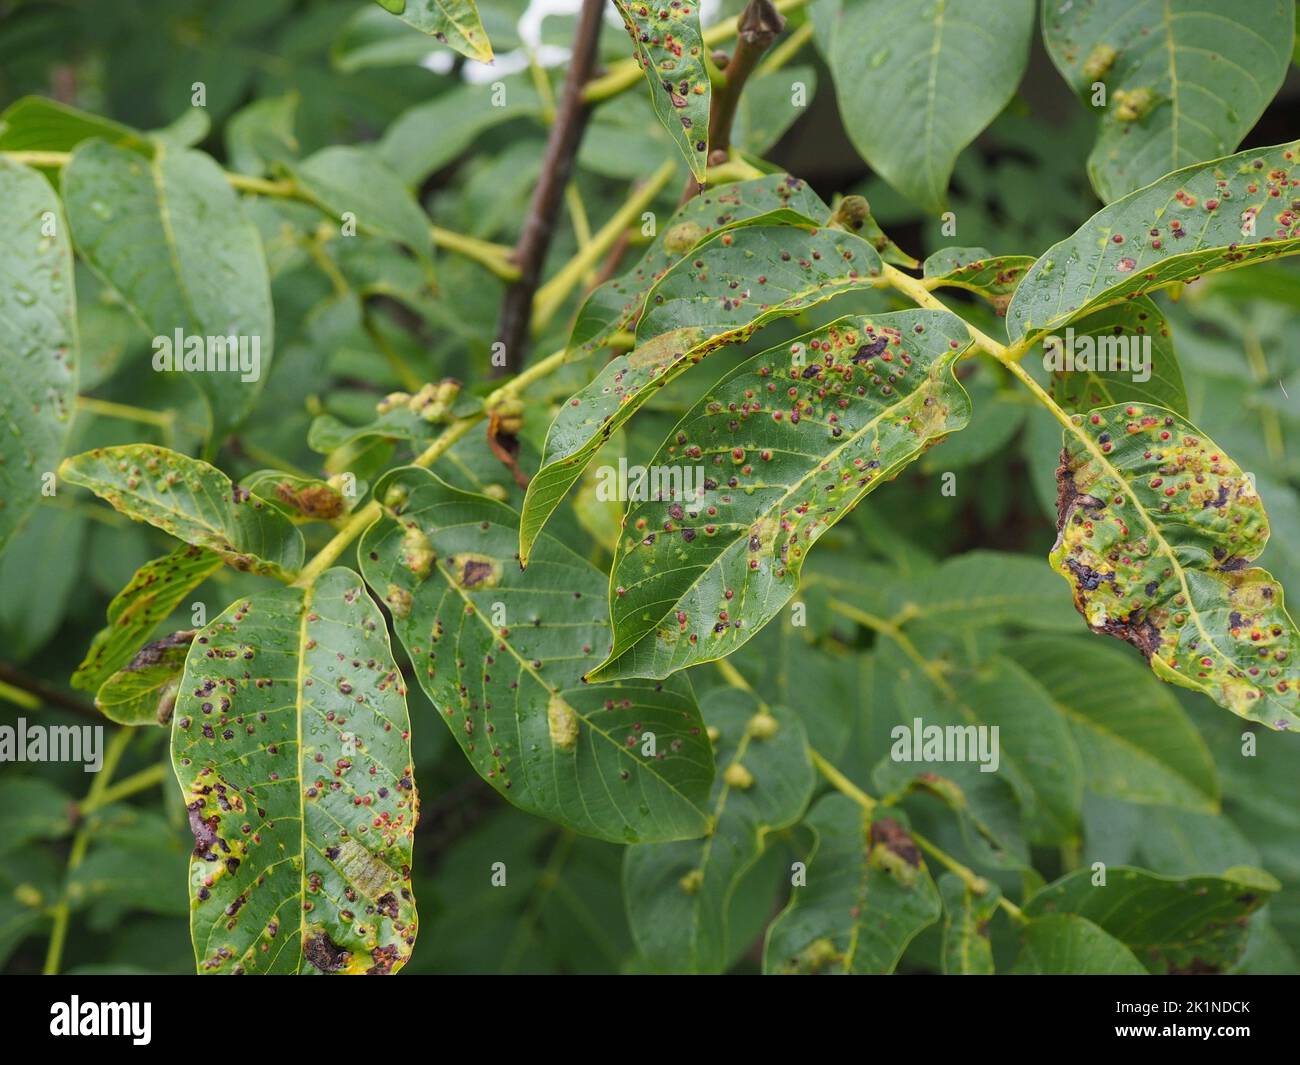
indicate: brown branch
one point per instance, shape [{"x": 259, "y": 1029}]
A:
[
  {"x": 557, "y": 165},
  {"x": 47, "y": 693},
  {"x": 759, "y": 25}
]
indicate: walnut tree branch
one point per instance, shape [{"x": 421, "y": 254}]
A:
[
  {"x": 557, "y": 165},
  {"x": 759, "y": 24}
]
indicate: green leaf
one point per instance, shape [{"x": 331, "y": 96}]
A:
[
  {"x": 694, "y": 578},
  {"x": 1086, "y": 379},
  {"x": 430, "y": 135},
  {"x": 1134, "y": 739},
  {"x": 1036, "y": 754},
  {"x": 292, "y": 747},
  {"x": 1191, "y": 924},
  {"x": 616, "y": 305},
  {"x": 966, "y": 947},
  {"x": 679, "y": 894},
  {"x": 916, "y": 83},
  {"x": 143, "y": 692},
  {"x": 767, "y": 107},
  {"x": 993, "y": 277},
  {"x": 155, "y": 590},
  {"x": 868, "y": 894},
  {"x": 371, "y": 39},
  {"x": 671, "y": 51},
  {"x": 32, "y": 610},
  {"x": 39, "y": 350},
  {"x": 37, "y": 123},
  {"x": 1185, "y": 81},
  {"x": 454, "y": 23},
  {"x": 191, "y": 501},
  {"x": 262, "y": 134},
  {"x": 347, "y": 180},
  {"x": 1213, "y": 216},
  {"x": 1064, "y": 944},
  {"x": 501, "y": 654},
  {"x": 171, "y": 237},
  {"x": 1156, "y": 527},
  {"x": 753, "y": 276},
  {"x": 980, "y": 588}
]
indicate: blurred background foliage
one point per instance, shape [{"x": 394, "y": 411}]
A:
[{"x": 286, "y": 77}]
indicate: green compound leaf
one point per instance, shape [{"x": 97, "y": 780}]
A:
[
  {"x": 679, "y": 894},
  {"x": 993, "y": 277},
  {"x": 1082, "y": 374},
  {"x": 292, "y": 747},
  {"x": 868, "y": 894},
  {"x": 1135, "y": 741},
  {"x": 722, "y": 293},
  {"x": 172, "y": 238},
  {"x": 1156, "y": 526},
  {"x": 1214, "y": 216},
  {"x": 1192, "y": 924},
  {"x": 344, "y": 179},
  {"x": 781, "y": 448},
  {"x": 669, "y": 46},
  {"x": 191, "y": 501},
  {"x": 967, "y": 950},
  {"x": 917, "y": 82},
  {"x": 143, "y": 692},
  {"x": 501, "y": 654},
  {"x": 616, "y": 305},
  {"x": 39, "y": 350},
  {"x": 1064, "y": 944},
  {"x": 155, "y": 590},
  {"x": 455, "y": 23},
  {"x": 1185, "y": 79}
]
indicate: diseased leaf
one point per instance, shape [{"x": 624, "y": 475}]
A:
[
  {"x": 39, "y": 350},
  {"x": 993, "y": 277},
  {"x": 1098, "y": 366},
  {"x": 668, "y": 45},
  {"x": 143, "y": 692},
  {"x": 171, "y": 237},
  {"x": 191, "y": 501},
  {"x": 1065, "y": 944},
  {"x": 455, "y": 23},
  {"x": 292, "y": 747},
  {"x": 616, "y": 305},
  {"x": 346, "y": 180},
  {"x": 1172, "y": 925},
  {"x": 916, "y": 83},
  {"x": 678, "y": 895},
  {"x": 1184, "y": 80},
  {"x": 1219, "y": 215},
  {"x": 1156, "y": 527},
  {"x": 966, "y": 947},
  {"x": 501, "y": 654},
  {"x": 301, "y": 499},
  {"x": 1134, "y": 739},
  {"x": 752, "y": 277},
  {"x": 868, "y": 894},
  {"x": 782, "y": 447},
  {"x": 155, "y": 590}
]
